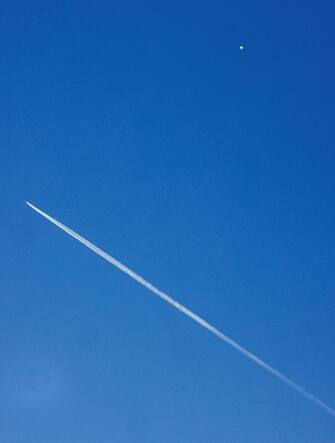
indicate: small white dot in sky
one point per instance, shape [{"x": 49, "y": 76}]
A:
[{"x": 241, "y": 47}]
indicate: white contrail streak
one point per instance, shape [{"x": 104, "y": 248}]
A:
[{"x": 187, "y": 312}]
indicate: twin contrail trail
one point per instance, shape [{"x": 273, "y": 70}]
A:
[{"x": 187, "y": 312}]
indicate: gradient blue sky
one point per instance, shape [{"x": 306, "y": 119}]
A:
[{"x": 208, "y": 170}]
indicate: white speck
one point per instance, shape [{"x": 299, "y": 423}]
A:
[{"x": 241, "y": 47}]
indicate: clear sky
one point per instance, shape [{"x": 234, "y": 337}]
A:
[{"x": 207, "y": 169}]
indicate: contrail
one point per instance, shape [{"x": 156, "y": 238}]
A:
[{"x": 187, "y": 312}]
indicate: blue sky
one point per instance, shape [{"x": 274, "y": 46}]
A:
[{"x": 206, "y": 169}]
